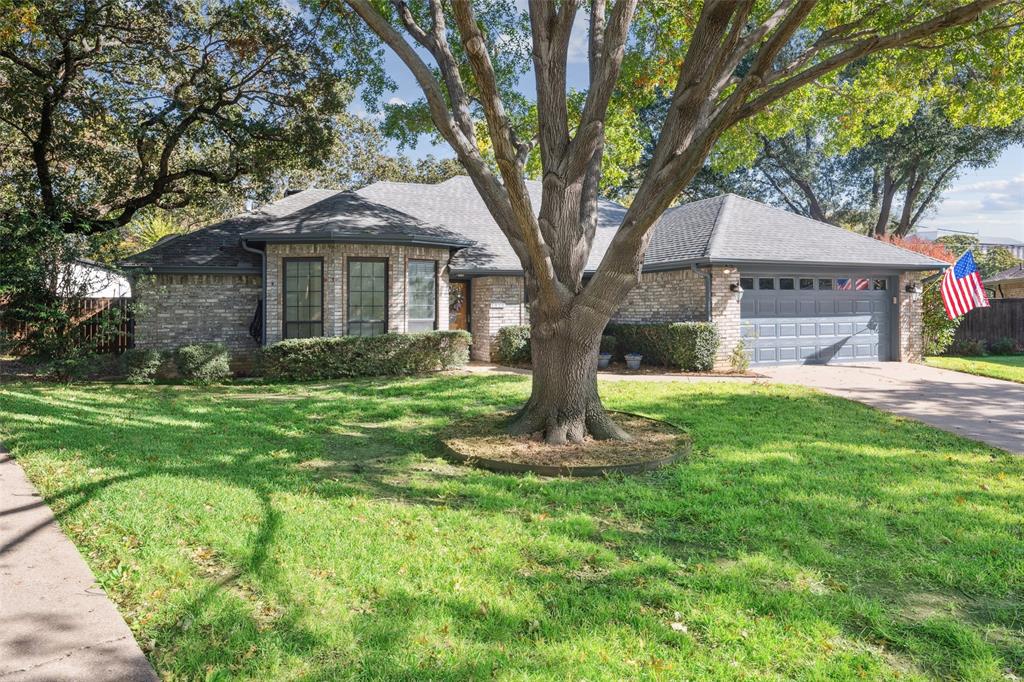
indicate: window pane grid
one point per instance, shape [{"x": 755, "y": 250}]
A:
[
  {"x": 422, "y": 295},
  {"x": 303, "y": 309},
  {"x": 367, "y": 297}
]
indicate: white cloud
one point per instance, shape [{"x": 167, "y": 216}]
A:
[{"x": 397, "y": 101}]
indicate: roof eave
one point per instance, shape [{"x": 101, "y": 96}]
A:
[
  {"x": 137, "y": 268},
  {"x": 331, "y": 237}
]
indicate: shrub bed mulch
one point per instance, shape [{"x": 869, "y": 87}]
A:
[{"x": 483, "y": 442}]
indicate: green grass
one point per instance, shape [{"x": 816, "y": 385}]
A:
[
  {"x": 1009, "y": 367},
  {"x": 308, "y": 532}
]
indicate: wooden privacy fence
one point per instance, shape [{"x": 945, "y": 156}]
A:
[
  {"x": 1004, "y": 319},
  {"x": 94, "y": 317}
]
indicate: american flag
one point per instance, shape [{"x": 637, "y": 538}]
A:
[{"x": 962, "y": 289}]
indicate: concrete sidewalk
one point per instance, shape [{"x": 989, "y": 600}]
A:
[{"x": 56, "y": 623}]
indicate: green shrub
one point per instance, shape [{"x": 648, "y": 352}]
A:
[
  {"x": 609, "y": 344},
  {"x": 336, "y": 357},
  {"x": 690, "y": 346},
  {"x": 938, "y": 329},
  {"x": 513, "y": 345},
  {"x": 738, "y": 359},
  {"x": 968, "y": 347},
  {"x": 1003, "y": 346},
  {"x": 140, "y": 365},
  {"x": 203, "y": 363}
]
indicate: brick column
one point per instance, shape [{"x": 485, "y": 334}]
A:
[
  {"x": 911, "y": 320},
  {"x": 725, "y": 313}
]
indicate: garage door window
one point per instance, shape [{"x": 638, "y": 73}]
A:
[
  {"x": 825, "y": 284},
  {"x": 844, "y": 284},
  {"x": 879, "y": 285},
  {"x": 806, "y": 283},
  {"x": 747, "y": 283},
  {"x": 786, "y": 283},
  {"x": 765, "y": 283}
]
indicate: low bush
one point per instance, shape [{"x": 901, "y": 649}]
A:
[
  {"x": 203, "y": 363},
  {"x": 968, "y": 347},
  {"x": 337, "y": 357},
  {"x": 140, "y": 365},
  {"x": 609, "y": 344},
  {"x": 1003, "y": 346},
  {"x": 739, "y": 360},
  {"x": 513, "y": 345},
  {"x": 690, "y": 346}
]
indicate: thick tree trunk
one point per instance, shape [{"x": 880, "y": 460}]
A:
[{"x": 564, "y": 404}]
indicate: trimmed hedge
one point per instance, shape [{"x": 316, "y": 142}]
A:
[
  {"x": 513, "y": 344},
  {"x": 690, "y": 346},
  {"x": 338, "y": 357},
  {"x": 203, "y": 363}
]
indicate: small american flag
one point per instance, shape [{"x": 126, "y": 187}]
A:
[{"x": 962, "y": 289}]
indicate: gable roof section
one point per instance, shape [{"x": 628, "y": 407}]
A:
[
  {"x": 349, "y": 217},
  {"x": 748, "y": 231},
  {"x": 310, "y": 215}
]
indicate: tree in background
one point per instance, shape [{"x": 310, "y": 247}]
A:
[
  {"x": 989, "y": 263},
  {"x": 883, "y": 187},
  {"x": 109, "y": 108},
  {"x": 735, "y": 69}
]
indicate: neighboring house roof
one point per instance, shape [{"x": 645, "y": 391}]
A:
[
  {"x": 1007, "y": 275},
  {"x": 726, "y": 229},
  {"x": 1000, "y": 241}
]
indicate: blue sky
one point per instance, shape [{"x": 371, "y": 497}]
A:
[{"x": 988, "y": 201}]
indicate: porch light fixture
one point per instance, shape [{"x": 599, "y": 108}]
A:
[
  {"x": 738, "y": 290},
  {"x": 913, "y": 288}
]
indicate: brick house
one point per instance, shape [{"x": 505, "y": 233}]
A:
[
  {"x": 403, "y": 257},
  {"x": 1008, "y": 283}
]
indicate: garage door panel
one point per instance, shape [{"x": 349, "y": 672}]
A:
[{"x": 815, "y": 326}]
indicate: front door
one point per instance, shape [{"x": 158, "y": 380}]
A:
[{"x": 458, "y": 305}]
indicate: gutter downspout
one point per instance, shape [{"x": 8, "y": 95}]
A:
[
  {"x": 707, "y": 288},
  {"x": 263, "y": 284}
]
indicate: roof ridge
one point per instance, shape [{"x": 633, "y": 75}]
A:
[{"x": 713, "y": 236}]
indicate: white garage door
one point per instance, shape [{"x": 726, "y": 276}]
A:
[{"x": 815, "y": 319}]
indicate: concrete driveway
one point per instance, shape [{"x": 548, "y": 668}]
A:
[{"x": 989, "y": 410}]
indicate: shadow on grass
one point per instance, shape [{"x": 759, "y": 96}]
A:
[{"x": 800, "y": 518}]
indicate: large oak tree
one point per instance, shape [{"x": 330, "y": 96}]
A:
[
  {"x": 111, "y": 108},
  {"x": 730, "y": 66}
]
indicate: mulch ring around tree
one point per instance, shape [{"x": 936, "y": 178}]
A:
[{"x": 483, "y": 442}]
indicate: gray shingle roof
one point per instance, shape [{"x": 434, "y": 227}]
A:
[
  {"x": 313, "y": 214},
  {"x": 748, "y": 231},
  {"x": 726, "y": 229},
  {"x": 722, "y": 229},
  {"x": 457, "y": 205},
  {"x": 349, "y": 217},
  {"x": 1016, "y": 272}
]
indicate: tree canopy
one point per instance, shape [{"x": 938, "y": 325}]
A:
[
  {"x": 885, "y": 186},
  {"x": 108, "y": 108}
]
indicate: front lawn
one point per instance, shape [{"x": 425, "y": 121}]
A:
[
  {"x": 307, "y": 531},
  {"x": 1009, "y": 367}
]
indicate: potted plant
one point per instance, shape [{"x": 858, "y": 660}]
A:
[
  {"x": 633, "y": 360},
  {"x": 604, "y": 358}
]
